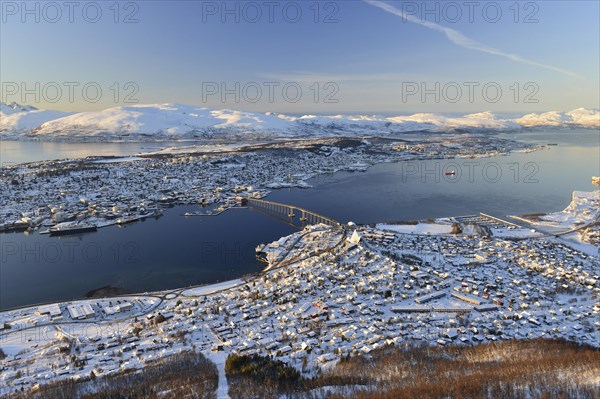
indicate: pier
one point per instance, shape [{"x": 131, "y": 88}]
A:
[{"x": 291, "y": 214}]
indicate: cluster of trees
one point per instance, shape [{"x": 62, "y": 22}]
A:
[
  {"x": 540, "y": 368},
  {"x": 186, "y": 375},
  {"x": 260, "y": 377}
]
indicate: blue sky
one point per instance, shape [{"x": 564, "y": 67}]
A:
[{"x": 366, "y": 58}]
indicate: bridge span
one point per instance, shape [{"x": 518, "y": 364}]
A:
[{"x": 290, "y": 213}]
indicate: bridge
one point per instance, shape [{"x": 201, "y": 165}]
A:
[{"x": 290, "y": 214}]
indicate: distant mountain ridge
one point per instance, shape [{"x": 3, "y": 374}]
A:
[
  {"x": 174, "y": 121},
  {"x": 11, "y": 108}
]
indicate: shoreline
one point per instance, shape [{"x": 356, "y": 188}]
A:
[
  {"x": 214, "y": 287},
  {"x": 536, "y": 148},
  {"x": 301, "y": 182},
  {"x": 306, "y": 178},
  {"x": 229, "y": 317}
]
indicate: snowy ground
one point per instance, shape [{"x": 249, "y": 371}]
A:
[
  {"x": 516, "y": 233},
  {"x": 340, "y": 286},
  {"x": 419, "y": 228},
  {"x": 212, "y": 288},
  {"x": 218, "y": 358},
  {"x": 583, "y": 209},
  {"x": 116, "y": 160}
]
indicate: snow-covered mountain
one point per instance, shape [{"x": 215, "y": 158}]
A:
[
  {"x": 16, "y": 118},
  {"x": 577, "y": 117},
  {"x": 9, "y": 109},
  {"x": 25, "y": 122},
  {"x": 172, "y": 121},
  {"x": 162, "y": 120}
]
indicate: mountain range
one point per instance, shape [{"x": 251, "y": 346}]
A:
[{"x": 179, "y": 121}]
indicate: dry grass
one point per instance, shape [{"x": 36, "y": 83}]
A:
[{"x": 513, "y": 369}]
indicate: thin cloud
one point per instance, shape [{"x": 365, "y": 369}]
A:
[
  {"x": 460, "y": 39},
  {"x": 308, "y": 76}
]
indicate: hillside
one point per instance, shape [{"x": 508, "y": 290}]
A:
[{"x": 178, "y": 121}]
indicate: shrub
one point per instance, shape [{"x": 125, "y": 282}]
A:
[{"x": 260, "y": 376}]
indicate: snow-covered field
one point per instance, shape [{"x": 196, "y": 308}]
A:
[
  {"x": 419, "y": 228},
  {"x": 583, "y": 209},
  {"x": 578, "y": 223}
]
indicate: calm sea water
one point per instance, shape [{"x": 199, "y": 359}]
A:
[
  {"x": 520, "y": 183},
  {"x": 15, "y": 152},
  {"x": 174, "y": 251},
  {"x": 155, "y": 254}
]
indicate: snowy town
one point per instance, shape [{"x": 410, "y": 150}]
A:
[
  {"x": 327, "y": 292},
  {"x": 66, "y": 196},
  {"x": 370, "y": 199}
]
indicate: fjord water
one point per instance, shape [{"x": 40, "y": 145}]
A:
[
  {"x": 15, "y": 152},
  {"x": 175, "y": 251},
  {"x": 170, "y": 252},
  {"x": 539, "y": 181}
]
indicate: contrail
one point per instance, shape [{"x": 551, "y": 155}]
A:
[{"x": 458, "y": 38}]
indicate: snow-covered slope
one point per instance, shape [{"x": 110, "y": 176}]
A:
[
  {"x": 171, "y": 120},
  {"x": 360, "y": 124},
  {"x": 9, "y": 109},
  {"x": 27, "y": 121},
  {"x": 163, "y": 120},
  {"x": 583, "y": 209},
  {"x": 481, "y": 120},
  {"x": 578, "y": 117},
  {"x": 16, "y": 118}
]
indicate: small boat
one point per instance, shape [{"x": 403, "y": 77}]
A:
[
  {"x": 129, "y": 219},
  {"x": 450, "y": 173}
]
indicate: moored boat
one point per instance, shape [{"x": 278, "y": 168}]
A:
[{"x": 71, "y": 228}]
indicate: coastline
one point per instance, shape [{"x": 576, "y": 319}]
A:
[
  {"x": 202, "y": 312},
  {"x": 213, "y": 288},
  {"x": 307, "y": 177}
]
